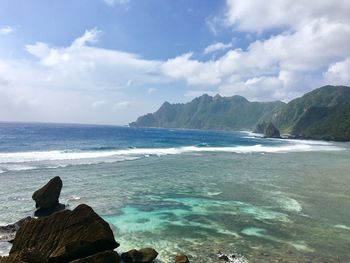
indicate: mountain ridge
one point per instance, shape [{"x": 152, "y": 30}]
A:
[
  {"x": 207, "y": 112},
  {"x": 323, "y": 113}
]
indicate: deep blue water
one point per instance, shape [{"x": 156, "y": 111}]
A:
[{"x": 16, "y": 137}]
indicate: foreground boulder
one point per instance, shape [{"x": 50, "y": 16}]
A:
[
  {"x": 271, "y": 131},
  {"x": 66, "y": 236},
  {"x": 181, "y": 259},
  {"x": 46, "y": 198},
  {"x": 102, "y": 257},
  {"x": 144, "y": 255}
]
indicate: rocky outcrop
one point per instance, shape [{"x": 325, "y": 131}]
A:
[
  {"x": 66, "y": 235},
  {"x": 181, "y": 259},
  {"x": 144, "y": 255},
  {"x": 46, "y": 198},
  {"x": 271, "y": 131}
]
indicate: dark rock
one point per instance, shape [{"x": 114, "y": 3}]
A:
[
  {"x": 144, "y": 255},
  {"x": 66, "y": 235},
  {"x": 46, "y": 212},
  {"x": 47, "y": 196},
  {"x": 102, "y": 257},
  {"x": 271, "y": 131},
  {"x": 181, "y": 259},
  {"x": 31, "y": 255},
  {"x": 10, "y": 259}
]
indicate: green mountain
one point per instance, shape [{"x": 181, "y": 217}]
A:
[
  {"x": 323, "y": 113},
  {"x": 216, "y": 113}
]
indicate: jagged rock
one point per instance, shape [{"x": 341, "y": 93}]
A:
[
  {"x": 271, "y": 131},
  {"x": 66, "y": 235},
  {"x": 46, "y": 198},
  {"x": 181, "y": 259},
  {"x": 102, "y": 257},
  {"x": 144, "y": 255}
]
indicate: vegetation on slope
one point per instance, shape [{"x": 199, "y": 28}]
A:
[
  {"x": 206, "y": 112},
  {"x": 323, "y": 113}
]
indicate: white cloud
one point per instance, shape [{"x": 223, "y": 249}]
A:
[
  {"x": 116, "y": 2},
  {"x": 6, "y": 30},
  {"x": 193, "y": 71},
  {"x": 217, "y": 47},
  {"x": 258, "y": 15},
  {"x": 280, "y": 66},
  {"x": 62, "y": 83},
  {"x": 152, "y": 90},
  {"x": 339, "y": 72}
]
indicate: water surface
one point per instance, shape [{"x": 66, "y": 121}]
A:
[{"x": 194, "y": 192}]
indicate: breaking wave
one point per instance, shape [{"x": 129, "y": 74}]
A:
[{"x": 37, "y": 156}]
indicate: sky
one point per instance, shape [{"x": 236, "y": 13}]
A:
[{"x": 110, "y": 61}]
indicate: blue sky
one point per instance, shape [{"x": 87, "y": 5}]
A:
[{"x": 109, "y": 61}]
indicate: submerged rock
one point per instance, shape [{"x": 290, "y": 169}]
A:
[
  {"x": 271, "y": 131},
  {"x": 66, "y": 235},
  {"x": 144, "y": 255},
  {"x": 46, "y": 198},
  {"x": 229, "y": 257},
  {"x": 181, "y": 259}
]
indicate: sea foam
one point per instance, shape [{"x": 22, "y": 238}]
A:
[{"x": 19, "y": 157}]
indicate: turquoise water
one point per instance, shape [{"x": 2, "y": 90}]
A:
[{"x": 189, "y": 191}]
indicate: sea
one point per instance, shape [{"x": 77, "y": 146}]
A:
[{"x": 188, "y": 191}]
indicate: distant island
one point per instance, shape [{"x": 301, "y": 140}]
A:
[{"x": 323, "y": 113}]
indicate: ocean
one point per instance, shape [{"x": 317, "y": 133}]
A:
[{"x": 188, "y": 191}]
